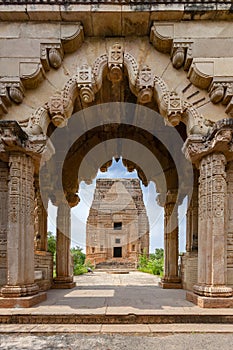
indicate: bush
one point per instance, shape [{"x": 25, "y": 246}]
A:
[
  {"x": 80, "y": 267},
  {"x": 153, "y": 264}
]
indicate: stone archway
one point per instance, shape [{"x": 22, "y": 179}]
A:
[{"x": 208, "y": 146}]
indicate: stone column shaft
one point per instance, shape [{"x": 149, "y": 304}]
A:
[
  {"x": 192, "y": 219},
  {"x": 40, "y": 220},
  {"x": 171, "y": 247},
  {"x": 64, "y": 278},
  {"x": 212, "y": 230},
  {"x": 20, "y": 236}
]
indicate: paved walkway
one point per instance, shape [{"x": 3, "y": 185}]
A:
[{"x": 101, "y": 293}]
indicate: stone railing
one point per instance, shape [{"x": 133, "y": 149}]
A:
[{"x": 121, "y": 2}]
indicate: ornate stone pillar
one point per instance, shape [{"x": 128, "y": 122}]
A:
[
  {"x": 40, "y": 220},
  {"x": 212, "y": 230},
  {"x": 20, "y": 238},
  {"x": 3, "y": 221},
  {"x": 192, "y": 218},
  {"x": 64, "y": 278},
  {"x": 211, "y": 154},
  {"x": 230, "y": 223},
  {"x": 171, "y": 277}
]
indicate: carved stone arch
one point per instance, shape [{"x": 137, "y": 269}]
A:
[{"x": 143, "y": 84}]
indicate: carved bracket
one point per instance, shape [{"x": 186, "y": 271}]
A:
[
  {"x": 221, "y": 90},
  {"x": 56, "y": 110},
  {"x": 115, "y": 63},
  {"x": 32, "y": 72},
  {"x": 84, "y": 82},
  {"x": 145, "y": 85},
  {"x": 11, "y": 90},
  {"x": 181, "y": 53},
  {"x": 185, "y": 52},
  {"x": 51, "y": 55}
]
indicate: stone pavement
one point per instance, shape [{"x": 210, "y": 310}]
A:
[
  {"x": 104, "y": 302},
  {"x": 117, "y": 342}
]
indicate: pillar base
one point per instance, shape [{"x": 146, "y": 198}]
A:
[
  {"x": 171, "y": 283},
  {"x": 9, "y": 291},
  {"x": 63, "y": 283},
  {"x": 213, "y": 291},
  {"x": 23, "y": 301},
  {"x": 209, "y": 302}
]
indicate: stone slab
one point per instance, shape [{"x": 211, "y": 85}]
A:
[
  {"x": 170, "y": 285},
  {"x": 113, "y": 329},
  {"x": 23, "y": 302},
  {"x": 64, "y": 285},
  {"x": 207, "y": 302}
]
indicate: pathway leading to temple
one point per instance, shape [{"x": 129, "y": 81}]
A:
[{"x": 101, "y": 300}]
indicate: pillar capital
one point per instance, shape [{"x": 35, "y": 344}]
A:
[
  {"x": 15, "y": 139},
  {"x": 218, "y": 141}
]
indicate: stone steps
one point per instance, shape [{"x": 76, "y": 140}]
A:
[
  {"x": 150, "y": 329},
  {"x": 117, "y": 319}
]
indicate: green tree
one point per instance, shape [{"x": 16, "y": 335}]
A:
[
  {"x": 51, "y": 243},
  {"x": 78, "y": 256},
  {"x": 79, "y": 260},
  {"x": 153, "y": 264}
]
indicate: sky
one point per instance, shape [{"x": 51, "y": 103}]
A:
[{"x": 80, "y": 213}]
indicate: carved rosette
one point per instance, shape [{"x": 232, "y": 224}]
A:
[
  {"x": 84, "y": 82},
  {"x": 115, "y": 63}
]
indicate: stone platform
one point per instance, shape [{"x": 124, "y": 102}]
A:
[
  {"x": 100, "y": 298},
  {"x": 23, "y": 302}
]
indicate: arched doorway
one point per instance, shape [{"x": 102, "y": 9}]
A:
[{"x": 207, "y": 147}]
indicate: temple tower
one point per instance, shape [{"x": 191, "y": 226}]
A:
[{"x": 117, "y": 225}]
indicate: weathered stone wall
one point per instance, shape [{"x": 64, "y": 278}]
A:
[
  {"x": 117, "y": 201},
  {"x": 189, "y": 270},
  {"x": 43, "y": 270}
]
